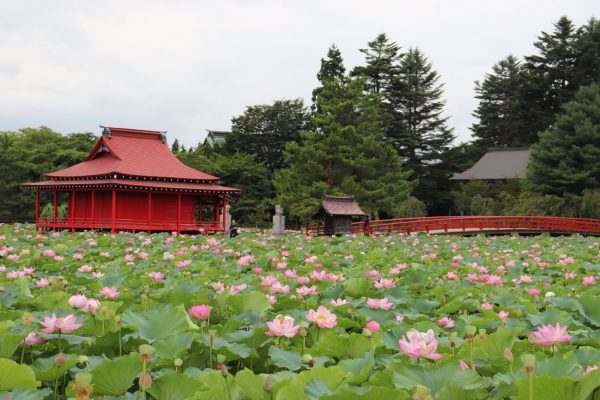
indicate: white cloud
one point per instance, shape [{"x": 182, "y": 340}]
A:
[{"x": 187, "y": 66}]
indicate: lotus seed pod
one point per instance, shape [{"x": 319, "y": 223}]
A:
[
  {"x": 27, "y": 318},
  {"x": 83, "y": 378},
  {"x": 306, "y": 358},
  {"x": 422, "y": 393},
  {"x": 83, "y": 360},
  {"x": 221, "y": 358},
  {"x": 178, "y": 362},
  {"x": 470, "y": 330}
]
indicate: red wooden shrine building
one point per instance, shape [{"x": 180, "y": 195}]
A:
[{"x": 131, "y": 181}]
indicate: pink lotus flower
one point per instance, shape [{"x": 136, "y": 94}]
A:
[
  {"x": 570, "y": 275},
  {"x": 420, "y": 344},
  {"x": 322, "y": 317},
  {"x": 42, "y": 283},
  {"x": 588, "y": 280},
  {"x": 445, "y": 322},
  {"x": 201, "y": 311},
  {"x": 277, "y": 287},
  {"x": 85, "y": 268},
  {"x": 110, "y": 292},
  {"x": 91, "y": 306},
  {"x": 235, "y": 289},
  {"x": 183, "y": 264},
  {"x": 338, "y": 302},
  {"x": 589, "y": 369},
  {"x": 384, "y": 283},
  {"x": 503, "y": 315},
  {"x": 373, "y": 326},
  {"x": 305, "y": 291},
  {"x": 302, "y": 280},
  {"x": 156, "y": 276},
  {"x": 548, "y": 335},
  {"x": 63, "y": 325},
  {"x": 533, "y": 292},
  {"x": 271, "y": 299},
  {"x": 97, "y": 275},
  {"x": 487, "y": 306},
  {"x": 78, "y": 300},
  {"x": 33, "y": 339},
  {"x": 244, "y": 261},
  {"x": 379, "y": 304},
  {"x": 282, "y": 326}
]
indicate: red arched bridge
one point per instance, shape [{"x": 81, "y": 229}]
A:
[{"x": 473, "y": 225}]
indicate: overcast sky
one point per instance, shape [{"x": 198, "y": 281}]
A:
[{"x": 188, "y": 66}]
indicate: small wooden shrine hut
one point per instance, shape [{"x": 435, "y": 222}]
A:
[
  {"x": 337, "y": 214},
  {"x": 131, "y": 181}
]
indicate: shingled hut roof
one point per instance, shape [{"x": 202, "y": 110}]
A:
[
  {"x": 337, "y": 205},
  {"x": 502, "y": 163}
]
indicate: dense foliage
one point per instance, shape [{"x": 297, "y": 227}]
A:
[{"x": 294, "y": 317}]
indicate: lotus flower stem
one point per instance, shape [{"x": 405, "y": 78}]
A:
[
  {"x": 530, "y": 386},
  {"x": 22, "y": 352}
]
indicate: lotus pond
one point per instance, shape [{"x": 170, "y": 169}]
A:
[{"x": 129, "y": 316}]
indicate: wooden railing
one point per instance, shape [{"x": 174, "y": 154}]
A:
[
  {"x": 474, "y": 224},
  {"x": 129, "y": 225}
]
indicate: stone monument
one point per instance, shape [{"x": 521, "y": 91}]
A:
[{"x": 278, "y": 221}]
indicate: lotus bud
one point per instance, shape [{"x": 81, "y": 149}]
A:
[
  {"x": 83, "y": 360},
  {"x": 518, "y": 313},
  {"x": 267, "y": 385},
  {"x": 470, "y": 331},
  {"x": 146, "y": 352},
  {"x": 178, "y": 362},
  {"x": 223, "y": 368},
  {"x": 528, "y": 363},
  {"x": 212, "y": 335},
  {"x": 482, "y": 334},
  {"x": 27, "y": 318},
  {"x": 422, "y": 393},
  {"x": 453, "y": 336},
  {"x": 145, "y": 381},
  {"x": 508, "y": 355},
  {"x": 59, "y": 360}
]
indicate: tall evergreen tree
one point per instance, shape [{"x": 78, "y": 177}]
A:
[
  {"x": 264, "y": 130},
  {"x": 175, "y": 148},
  {"x": 332, "y": 68},
  {"x": 587, "y": 50},
  {"x": 566, "y": 158},
  {"x": 381, "y": 57},
  {"x": 499, "y": 113},
  {"x": 344, "y": 155},
  {"x": 424, "y": 134},
  {"x": 549, "y": 76}
]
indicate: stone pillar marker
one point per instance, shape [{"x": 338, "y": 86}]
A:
[
  {"x": 278, "y": 221},
  {"x": 228, "y": 219}
]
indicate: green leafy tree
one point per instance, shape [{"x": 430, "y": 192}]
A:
[
  {"x": 264, "y": 130},
  {"x": 499, "y": 113},
  {"x": 566, "y": 158},
  {"x": 345, "y": 154}
]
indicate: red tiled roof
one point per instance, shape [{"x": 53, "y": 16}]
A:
[
  {"x": 133, "y": 183},
  {"x": 334, "y": 205},
  {"x": 132, "y": 152}
]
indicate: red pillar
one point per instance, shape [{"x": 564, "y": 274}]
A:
[
  {"x": 37, "y": 209},
  {"x": 217, "y": 213},
  {"x": 113, "y": 211},
  {"x": 224, "y": 214},
  {"x": 72, "y": 210},
  {"x": 93, "y": 209},
  {"x": 178, "y": 212},
  {"x": 55, "y": 210},
  {"x": 149, "y": 211}
]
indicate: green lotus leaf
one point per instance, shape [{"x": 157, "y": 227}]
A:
[
  {"x": 331, "y": 377},
  {"x": 369, "y": 392},
  {"x": 115, "y": 377},
  {"x": 249, "y": 301},
  {"x": 13, "y": 375},
  {"x": 436, "y": 379},
  {"x": 159, "y": 322},
  {"x": 24, "y": 394},
  {"x": 174, "y": 386},
  {"x": 547, "y": 388},
  {"x": 47, "y": 371},
  {"x": 169, "y": 346},
  {"x": 251, "y": 385},
  {"x": 289, "y": 360}
]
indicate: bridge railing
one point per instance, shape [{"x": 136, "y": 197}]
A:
[
  {"x": 123, "y": 224},
  {"x": 465, "y": 224}
]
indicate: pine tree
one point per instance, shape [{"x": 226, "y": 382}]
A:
[
  {"x": 423, "y": 135},
  {"x": 500, "y": 120},
  {"x": 175, "y": 147},
  {"x": 382, "y": 57},
  {"x": 587, "y": 50},
  {"x": 566, "y": 158},
  {"x": 549, "y": 76},
  {"x": 344, "y": 155},
  {"x": 332, "y": 68}
]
